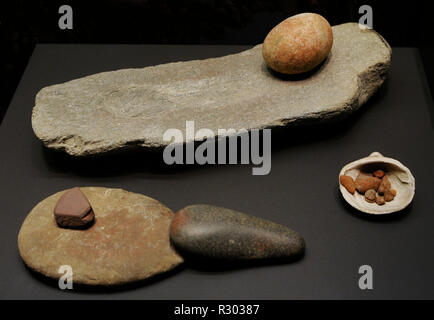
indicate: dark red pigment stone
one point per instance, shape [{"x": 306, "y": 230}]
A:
[
  {"x": 73, "y": 209},
  {"x": 218, "y": 233}
]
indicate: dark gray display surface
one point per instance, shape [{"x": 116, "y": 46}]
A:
[{"x": 301, "y": 191}]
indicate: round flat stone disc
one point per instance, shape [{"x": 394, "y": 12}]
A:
[{"x": 128, "y": 242}]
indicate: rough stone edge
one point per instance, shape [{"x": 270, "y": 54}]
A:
[{"x": 368, "y": 83}]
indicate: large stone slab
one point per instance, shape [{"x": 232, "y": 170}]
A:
[
  {"x": 129, "y": 240},
  {"x": 134, "y": 107}
]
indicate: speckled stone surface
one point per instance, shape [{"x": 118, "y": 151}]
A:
[
  {"x": 134, "y": 107},
  {"x": 298, "y": 44},
  {"x": 129, "y": 240},
  {"x": 219, "y": 233}
]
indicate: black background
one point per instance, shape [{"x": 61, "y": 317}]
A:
[
  {"x": 396, "y": 121},
  {"x": 25, "y": 23},
  {"x": 301, "y": 191}
]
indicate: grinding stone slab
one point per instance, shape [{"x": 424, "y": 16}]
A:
[
  {"x": 134, "y": 107},
  {"x": 128, "y": 242}
]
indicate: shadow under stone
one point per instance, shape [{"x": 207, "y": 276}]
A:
[
  {"x": 311, "y": 131},
  {"x": 113, "y": 164},
  {"x": 84, "y": 288},
  {"x": 297, "y": 77},
  {"x": 199, "y": 263}
]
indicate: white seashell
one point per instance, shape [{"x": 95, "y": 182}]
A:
[{"x": 399, "y": 176}]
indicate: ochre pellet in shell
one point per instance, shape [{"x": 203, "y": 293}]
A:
[
  {"x": 365, "y": 181},
  {"x": 388, "y": 196},
  {"x": 298, "y": 44},
  {"x": 385, "y": 185},
  {"x": 380, "y": 200},
  {"x": 348, "y": 183},
  {"x": 370, "y": 195},
  {"x": 379, "y": 174}
]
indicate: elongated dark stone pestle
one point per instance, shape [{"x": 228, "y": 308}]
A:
[{"x": 218, "y": 233}]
